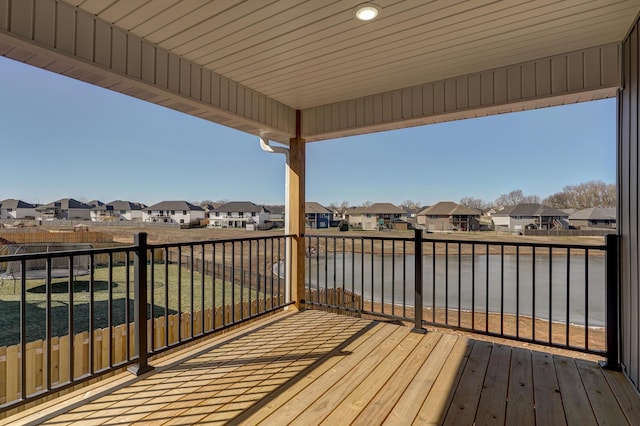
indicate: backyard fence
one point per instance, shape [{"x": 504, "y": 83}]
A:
[{"x": 104, "y": 354}]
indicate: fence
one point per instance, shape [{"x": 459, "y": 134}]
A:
[
  {"x": 25, "y": 236},
  {"x": 560, "y": 295},
  {"x": 74, "y": 330},
  {"x": 102, "y": 352}
]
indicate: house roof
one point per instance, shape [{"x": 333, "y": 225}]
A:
[
  {"x": 120, "y": 205},
  {"x": 377, "y": 208},
  {"x": 239, "y": 206},
  {"x": 449, "y": 208},
  {"x": 314, "y": 207},
  {"x": 65, "y": 204},
  {"x": 276, "y": 209},
  {"x": 95, "y": 203},
  {"x": 531, "y": 209},
  {"x": 594, "y": 213},
  {"x": 11, "y": 203},
  {"x": 174, "y": 205}
]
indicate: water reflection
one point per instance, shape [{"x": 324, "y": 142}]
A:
[{"x": 512, "y": 285}]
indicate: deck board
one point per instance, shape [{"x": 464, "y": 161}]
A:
[
  {"x": 493, "y": 401},
  {"x": 313, "y": 367}
]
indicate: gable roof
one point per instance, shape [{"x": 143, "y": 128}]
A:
[
  {"x": 449, "y": 208},
  {"x": 531, "y": 209},
  {"x": 120, "y": 205},
  {"x": 377, "y": 208},
  {"x": 174, "y": 205},
  {"x": 239, "y": 206},
  {"x": 276, "y": 209},
  {"x": 11, "y": 203},
  {"x": 594, "y": 213},
  {"x": 313, "y": 207},
  {"x": 65, "y": 204}
]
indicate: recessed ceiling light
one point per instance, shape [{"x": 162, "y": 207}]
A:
[{"x": 367, "y": 12}]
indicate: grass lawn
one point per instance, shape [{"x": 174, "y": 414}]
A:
[{"x": 179, "y": 281}]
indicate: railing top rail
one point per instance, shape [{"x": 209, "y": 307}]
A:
[
  {"x": 125, "y": 248},
  {"x": 426, "y": 238},
  {"x": 66, "y": 253},
  {"x": 221, "y": 241}
]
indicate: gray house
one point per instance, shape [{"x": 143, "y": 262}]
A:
[
  {"x": 530, "y": 216},
  {"x": 17, "y": 209},
  {"x": 65, "y": 209},
  {"x": 594, "y": 217}
]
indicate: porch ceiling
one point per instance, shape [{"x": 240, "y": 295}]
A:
[
  {"x": 310, "y": 53},
  {"x": 251, "y": 64}
]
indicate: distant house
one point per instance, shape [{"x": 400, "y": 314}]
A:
[
  {"x": 594, "y": 217},
  {"x": 17, "y": 209},
  {"x": 449, "y": 216},
  {"x": 276, "y": 215},
  {"x": 238, "y": 214},
  {"x": 95, "y": 203},
  {"x": 317, "y": 216},
  {"x": 181, "y": 212},
  {"x": 117, "y": 210},
  {"x": 530, "y": 216},
  {"x": 64, "y": 209},
  {"x": 376, "y": 216}
]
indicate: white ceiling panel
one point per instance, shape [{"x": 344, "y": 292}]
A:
[{"x": 306, "y": 53}]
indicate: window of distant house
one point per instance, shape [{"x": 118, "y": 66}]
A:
[
  {"x": 173, "y": 212},
  {"x": 433, "y": 216},
  {"x": 184, "y": 212},
  {"x": 9, "y": 210},
  {"x": 217, "y": 214},
  {"x": 241, "y": 214},
  {"x": 149, "y": 212},
  {"x": 181, "y": 220}
]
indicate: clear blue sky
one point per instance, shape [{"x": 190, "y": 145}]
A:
[{"x": 61, "y": 138}]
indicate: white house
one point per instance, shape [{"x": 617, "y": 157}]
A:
[
  {"x": 181, "y": 212},
  {"x": 117, "y": 210},
  {"x": 530, "y": 215},
  {"x": 237, "y": 214},
  {"x": 17, "y": 209},
  {"x": 64, "y": 209}
]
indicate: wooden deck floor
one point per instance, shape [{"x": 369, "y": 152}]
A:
[{"x": 315, "y": 367}]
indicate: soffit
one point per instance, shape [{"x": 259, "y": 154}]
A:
[{"x": 311, "y": 53}]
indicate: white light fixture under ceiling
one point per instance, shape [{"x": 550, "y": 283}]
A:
[{"x": 367, "y": 12}]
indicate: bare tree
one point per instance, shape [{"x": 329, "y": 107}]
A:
[
  {"x": 513, "y": 198},
  {"x": 584, "y": 195},
  {"x": 474, "y": 203},
  {"x": 410, "y": 204},
  {"x": 367, "y": 204}
]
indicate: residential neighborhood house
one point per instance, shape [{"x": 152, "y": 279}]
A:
[
  {"x": 449, "y": 216},
  {"x": 595, "y": 217},
  {"x": 117, "y": 210},
  {"x": 181, "y": 212},
  {"x": 530, "y": 216},
  {"x": 317, "y": 216},
  {"x": 276, "y": 215},
  {"x": 376, "y": 216},
  {"x": 238, "y": 214},
  {"x": 64, "y": 209},
  {"x": 17, "y": 209}
]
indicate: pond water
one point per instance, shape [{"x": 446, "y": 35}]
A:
[{"x": 474, "y": 281}]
